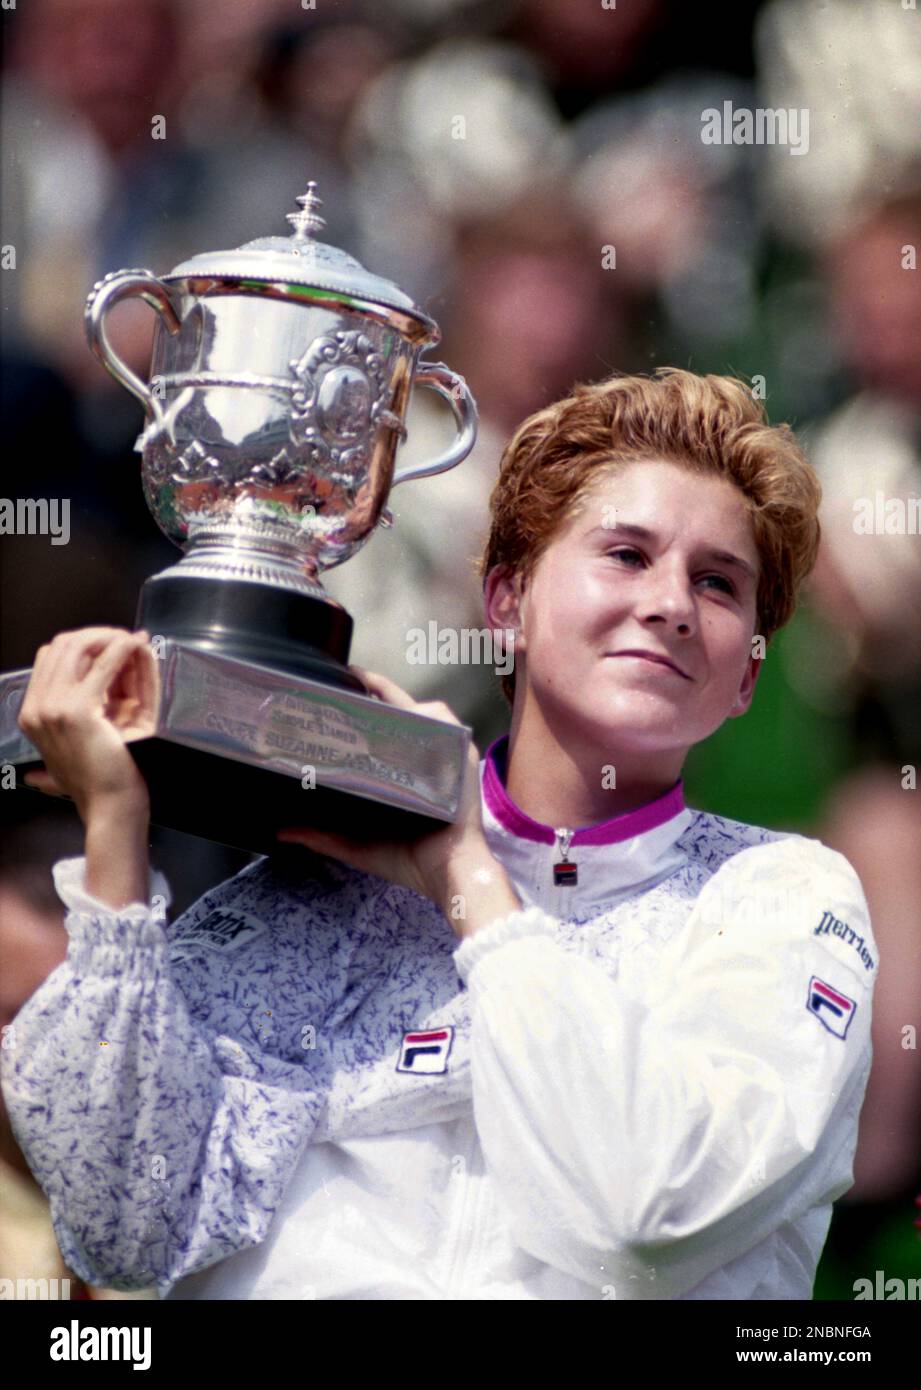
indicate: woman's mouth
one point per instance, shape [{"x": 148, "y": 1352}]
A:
[{"x": 653, "y": 659}]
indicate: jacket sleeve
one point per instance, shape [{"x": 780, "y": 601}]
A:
[
  {"x": 646, "y": 1127},
  {"x": 162, "y": 1138}
]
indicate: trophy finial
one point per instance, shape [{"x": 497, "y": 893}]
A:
[{"x": 308, "y": 221}]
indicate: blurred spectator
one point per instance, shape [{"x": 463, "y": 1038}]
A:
[
  {"x": 276, "y": 114},
  {"x": 854, "y": 65},
  {"x": 680, "y": 215},
  {"x": 94, "y": 174},
  {"x": 446, "y": 138},
  {"x": 110, "y": 544},
  {"x": 868, "y": 585}
]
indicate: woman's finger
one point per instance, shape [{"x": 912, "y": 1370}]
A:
[
  {"x": 322, "y": 842},
  {"x": 43, "y": 781},
  {"x": 133, "y": 695},
  {"x": 44, "y": 666},
  {"x": 148, "y": 684},
  {"x": 110, "y": 662},
  {"x": 386, "y": 688},
  {"x": 72, "y": 654},
  {"x": 395, "y": 695}
]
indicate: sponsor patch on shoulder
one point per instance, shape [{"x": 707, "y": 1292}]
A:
[
  {"x": 830, "y": 925},
  {"x": 224, "y": 929},
  {"x": 833, "y": 1009}
]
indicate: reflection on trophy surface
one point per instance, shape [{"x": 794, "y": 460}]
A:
[{"x": 280, "y": 381}]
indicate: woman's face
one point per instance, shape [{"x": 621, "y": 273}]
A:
[{"x": 601, "y": 589}]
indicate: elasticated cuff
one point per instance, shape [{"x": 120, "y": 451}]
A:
[
  {"x": 530, "y": 921},
  {"x": 104, "y": 939}
]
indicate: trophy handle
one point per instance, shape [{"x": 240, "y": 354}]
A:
[
  {"x": 125, "y": 284},
  {"x": 454, "y": 389}
]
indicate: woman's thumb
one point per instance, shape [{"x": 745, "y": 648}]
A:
[{"x": 43, "y": 781}]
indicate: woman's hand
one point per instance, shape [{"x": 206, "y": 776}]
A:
[
  {"x": 435, "y": 863},
  {"x": 90, "y": 690}
]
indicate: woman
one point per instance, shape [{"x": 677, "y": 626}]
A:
[{"x": 583, "y": 1043}]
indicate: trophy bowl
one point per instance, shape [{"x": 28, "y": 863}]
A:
[{"x": 281, "y": 376}]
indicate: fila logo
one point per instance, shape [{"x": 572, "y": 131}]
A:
[
  {"x": 832, "y": 1008},
  {"x": 426, "y": 1052}
]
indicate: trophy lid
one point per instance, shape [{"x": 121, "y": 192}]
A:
[{"x": 300, "y": 260}]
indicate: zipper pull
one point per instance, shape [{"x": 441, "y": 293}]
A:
[{"x": 565, "y": 872}]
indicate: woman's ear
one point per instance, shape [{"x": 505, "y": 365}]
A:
[
  {"x": 502, "y": 599},
  {"x": 747, "y": 688}
]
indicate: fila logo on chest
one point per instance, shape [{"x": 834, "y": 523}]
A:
[{"x": 426, "y": 1051}]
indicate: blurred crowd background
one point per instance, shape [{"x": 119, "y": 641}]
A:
[{"x": 581, "y": 132}]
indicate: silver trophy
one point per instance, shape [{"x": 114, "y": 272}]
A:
[{"x": 281, "y": 376}]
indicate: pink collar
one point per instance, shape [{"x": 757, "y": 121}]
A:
[{"x": 608, "y": 832}]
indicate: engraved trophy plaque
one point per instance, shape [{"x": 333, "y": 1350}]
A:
[{"x": 280, "y": 380}]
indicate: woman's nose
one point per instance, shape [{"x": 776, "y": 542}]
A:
[{"x": 668, "y": 596}]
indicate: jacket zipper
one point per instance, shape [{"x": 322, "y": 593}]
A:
[
  {"x": 564, "y": 870},
  {"x": 564, "y": 876}
]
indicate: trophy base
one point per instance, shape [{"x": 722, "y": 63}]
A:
[
  {"x": 241, "y": 750},
  {"x": 243, "y": 806},
  {"x": 252, "y": 622}
]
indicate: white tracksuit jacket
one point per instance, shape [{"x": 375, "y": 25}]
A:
[{"x": 644, "y": 1085}]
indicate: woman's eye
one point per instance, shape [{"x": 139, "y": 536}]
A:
[
  {"x": 628, "y": 552},
  {"x": 727, "y": 584}
]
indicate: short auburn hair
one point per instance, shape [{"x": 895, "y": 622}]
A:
[{"x": 709, "y": 424}]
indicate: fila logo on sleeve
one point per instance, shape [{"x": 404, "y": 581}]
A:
[
  {"x": 426, "y": 1052},
  {"x": 830, "y": 1006}
]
